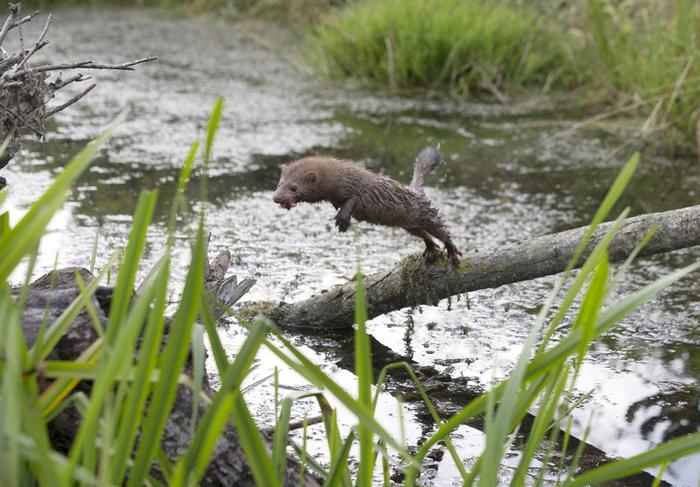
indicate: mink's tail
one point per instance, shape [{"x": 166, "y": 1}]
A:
[{"x": 426, "y": 160}]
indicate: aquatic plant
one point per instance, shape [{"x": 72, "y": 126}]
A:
[{"x": 134, "y": 380}]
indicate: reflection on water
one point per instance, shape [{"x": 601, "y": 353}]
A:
[{"x": 508, "y": 174}]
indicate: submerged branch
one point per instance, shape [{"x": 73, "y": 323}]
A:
[{"x": 413, "y": 283}]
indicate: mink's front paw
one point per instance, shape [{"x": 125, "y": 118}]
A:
[
  {"x": 454, "y": 255},
  {"x": 430, "y": 255},
  {"x": 342, "y": 222}
]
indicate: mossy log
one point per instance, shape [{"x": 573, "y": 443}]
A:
[
  {"x": 414, "y": 283},
  {"x": 51, "y": 294}
]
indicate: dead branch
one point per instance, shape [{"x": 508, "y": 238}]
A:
[
  {"x": 25, "y": 91},
  {"x": 38, "y": 45},
  {"x": 82, "y": 65},
  {"x": 9, "y": 22},
  {"x": 412, "y": 283},
  {"x": 77, "y": 97}
]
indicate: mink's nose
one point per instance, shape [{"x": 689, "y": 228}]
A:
[{"x": 277, "y": 199}]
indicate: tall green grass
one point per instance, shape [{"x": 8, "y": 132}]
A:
[
  {"x": 464, "y": 45},
  {"x": 134, "y": 392},
  {"x": 638, "y": 57},
  {"x": 648, "y": 53}
]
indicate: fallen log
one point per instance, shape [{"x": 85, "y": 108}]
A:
[
  {"x": 413, "y": 283},
  {"x": 51, "y": 294}
]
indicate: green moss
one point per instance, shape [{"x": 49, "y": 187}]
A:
[
  {"x": 415, "y": 281},
  {"x": 265, "y": 308}
]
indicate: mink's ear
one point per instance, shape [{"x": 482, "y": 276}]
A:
[
  {"x": 310, "y": 177},
  {"x": 284, "y": 168}
]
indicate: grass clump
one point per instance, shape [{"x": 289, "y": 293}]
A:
[
  {"x": 466, "y": 45},
  {"x": 647, "y": 53}
]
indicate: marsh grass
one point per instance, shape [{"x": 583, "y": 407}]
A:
[
  {"x": 637, "y": 57},
  {"x": 464, "y": 45},
  {"x": 648, "y": 53},
  {"x": 134, "y": 392}
]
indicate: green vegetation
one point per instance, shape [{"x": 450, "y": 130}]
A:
[
  {"x": 637, "y": 57},
  {"x": 464, "y": 45},
  {"x": 631, "y": 57},
  {"x": 648, "y": 53},
  {"x": 134, "y": 392},
  {"x": 293, "y": 10}
]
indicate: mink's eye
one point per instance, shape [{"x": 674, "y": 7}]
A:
[{"x": 293, "y": 188}]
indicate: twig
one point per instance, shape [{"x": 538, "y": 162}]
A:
[
  {"x": 77, "y": 97},
  {"x": 38, "y": 45},
  {"x": 9, "y": 61},
  {"x": 295, "y": 425},
  {"x": 83, "y": 65},
  {"x": 21, "y": 119},
  {"x": 24, "y": 19},
  {"x": 59, "y": 83},
  {"x": 9, "y": 21},
  {"x": 21, "y": 35}
]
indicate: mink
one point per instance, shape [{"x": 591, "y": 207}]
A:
[{"x": 366, "y": 196}]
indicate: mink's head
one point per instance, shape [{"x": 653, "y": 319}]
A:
[{"x": 298, "y": 182}]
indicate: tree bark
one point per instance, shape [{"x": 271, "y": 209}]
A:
[{"x": 413, "y": 283}]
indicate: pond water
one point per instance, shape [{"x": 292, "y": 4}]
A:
[{"x": 509, "y": 174}]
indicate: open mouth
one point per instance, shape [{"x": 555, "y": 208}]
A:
[{"x": 289, "y": 204}]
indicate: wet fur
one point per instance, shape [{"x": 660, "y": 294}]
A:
[{"x": 366, "y": 196}]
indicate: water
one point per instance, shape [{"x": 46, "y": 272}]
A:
[{"x": 510, "y": 173}]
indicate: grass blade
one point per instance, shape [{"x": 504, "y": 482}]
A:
[
  {"x": 171, "y": 362},
  {"x": 669, "y": 451},
  {"x": 24, "y": 236},
  {"x": 194, "y": 462},
  {"x": 363, "y": 371},
  {"x": 253, "y": 446}
]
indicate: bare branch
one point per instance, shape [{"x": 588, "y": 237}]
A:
[
  {"x": 9, "y": 21},
  {"x": 24, "y": 20},
  {"x": 59, "y": 83},
  {"x": 21, "y": 36},
  {"x": 77, "y": 97},
  {"x": 295, "y": 425},
  {"x": 83, "y": 65},
  {"x": 38, "y": 45}
]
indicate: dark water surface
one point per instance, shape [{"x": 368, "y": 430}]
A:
[{"x": 510, "y": 173}]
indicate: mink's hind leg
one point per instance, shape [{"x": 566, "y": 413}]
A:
[
  {"x": 432, "y": 251},
  {"x": 441, "y": 233}
]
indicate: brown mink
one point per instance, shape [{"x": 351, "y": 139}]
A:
[{"x": 357, "y": 192}]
